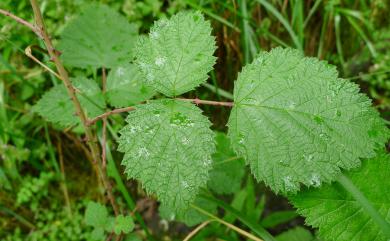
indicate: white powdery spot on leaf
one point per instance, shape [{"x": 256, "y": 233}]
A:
[{"x": 160, "y": 61}]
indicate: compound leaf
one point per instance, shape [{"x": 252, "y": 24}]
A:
[
  {"x": 177, "y": 54},
  {"x": 168, "y": 146},
  {"x": 57, "y": 107},
  {"x": 124, "y": 87},
  {"x": 296, "y": 122},
  {"x": 338, "y": 215},
  {"x": 228, "y": 169},
  {"x": 99, "y": 37}
]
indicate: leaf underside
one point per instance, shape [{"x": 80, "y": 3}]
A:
[
  {"x": 338, "y": 215},
  {"x": 125, "y": 88},
  {"x": 296, "y": 122},
  {"x": 98, "y": 37},
  {"x": 56, "y": 106},
  {"x": 177, "y": 54},
  {"x": 168, "y": 146}
]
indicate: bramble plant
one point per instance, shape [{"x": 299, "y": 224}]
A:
[{"x": 293, "y": 121}]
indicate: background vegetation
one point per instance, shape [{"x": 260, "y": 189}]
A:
[{"x": 46, "y": 178}]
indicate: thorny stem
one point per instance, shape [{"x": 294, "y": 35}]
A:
[
  {"x": 131, "y": 108},
  {"x": 21, "y": 21},
  {"x": 91, "y": 138}
]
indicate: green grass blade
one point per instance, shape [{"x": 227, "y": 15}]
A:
[
  {"x": 311, "y": 12},
  {"x": 360, "y": 31}
]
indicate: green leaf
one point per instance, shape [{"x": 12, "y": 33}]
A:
[
  {"x": 96, "y": 215},
  {"x": 123, "y": 224},
  {"x": 296, "y": 122},
  {"x": 295, "y": 234},
  {"x": 177, "y": 54},
  {"x": 99, "y": 37},
  {"x": 338, "y": 215},
  {"x": 228, "y": 169},
  {"x": 98, "y": 234},
  {"x": 276, "y": 218},
  {"x": 57, "y": 107},
  {"x": 168, "y": 147},
  {"x": 190, "y": 216},
  {"x": 124, "y": 87}
]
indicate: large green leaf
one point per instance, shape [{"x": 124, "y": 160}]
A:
[
  {"x": 296, "y": 122},
  {"x": 168, "y": 146},
  {"x": 177, "y": 54},
  {"x": 99, "y": 37},
  {"x": 338, "y": 215},
  {"x": 57, "y": 107},
  {"x": 228, "y": 169},
  {"x": 124, "y": 87}
]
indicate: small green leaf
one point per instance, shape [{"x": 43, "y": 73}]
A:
[
  {"x": 190, "y": 216},
  {"x": 178, "y": 53},
  {"x": 168, "y": 146},
  {"x": 296, "y": 122},
  {"x": 123, "y": 224},
  {"x": 99, "y": 37},
  {"x": 57, "y": 107},
  {"x": 124, "y": 87},
  {"x": 228, "y": 169},
  {"x": 338, "y": 215},
  {"x": 98, "y": 234},
  {"x": 276, "y": 218},
  {"x": 295, "y": 234},
  {"x": 96, "y": 215}
]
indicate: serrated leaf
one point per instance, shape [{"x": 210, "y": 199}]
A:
[
  {"x": 190, "y": 216},
  {"x": 178, "y": 53},
  {"x": 125, "y": 88},
  {"x": 98, "y": 37},
  {"x": 168, "y": 146},
  {"x": 338, "y": 215},
  {"x": 228, "y": 169},
  {"x": 57, "y": 107},
  {"x": 296, "y": 122},
  {"x": 123, "y": 224},
  {"x": 96, "y": 215},
  {"x": 295, "y": 234}
]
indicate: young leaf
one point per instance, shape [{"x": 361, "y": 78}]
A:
[
  {"x": 96, "y": 215},
  {"x": 295, "y": 234},
  {"x": 56, "y": 105},
  {"x": 190, "y": 216},
  {"x": 338, "y": 215},
  {"x": 123, "y": 224},
  {"x": 124, "y": 87},
  {"x": 178, "y": 53},
  {"x": 228, "y": 169},
  {"x": 99, "y": 37},
  {"x": 168, "y": 146},
  {"x": 296, "y": 122}
]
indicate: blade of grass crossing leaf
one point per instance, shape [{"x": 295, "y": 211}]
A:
[
  {"x": 311, "y": 12},
  {"x": 220, "y": 91},
  {"x": 360, "y": 31},
  {"x": 212, "y": 15},
  {"x": 365, "y": 203},
  {"x": 257, "y": 229},
  {"x": 283, "y": 21},
  {"x": 339, "y": 46}
]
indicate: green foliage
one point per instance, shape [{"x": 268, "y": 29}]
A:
[
  {"x": 296, "y": 122},
  {"x": 228, "y": 169},
  {"x": 34, "y": 188},
  {"x": 99, "y": 37},
  {"x": 338, "y": 215},
  {"x": 295, "y": 234},
  {"x": 177, "y": 54},
  {"x": 125, "y": 88},
  {"x": 56, "y": 106},
  {"x": 168, "y": 147},
  {"x": 123, "y": 224}
]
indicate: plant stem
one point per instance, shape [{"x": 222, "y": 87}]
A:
[
  {"x": 231, "y": 226},
  {"x": 21, "y": 21},
  {"x": 196, "y": 230},
  {"x": 111, "y": 112},
  {"x": 91, "y": 138},
  {"x": 365, "y": 204},
  {"x": 207, "y": 102}
]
